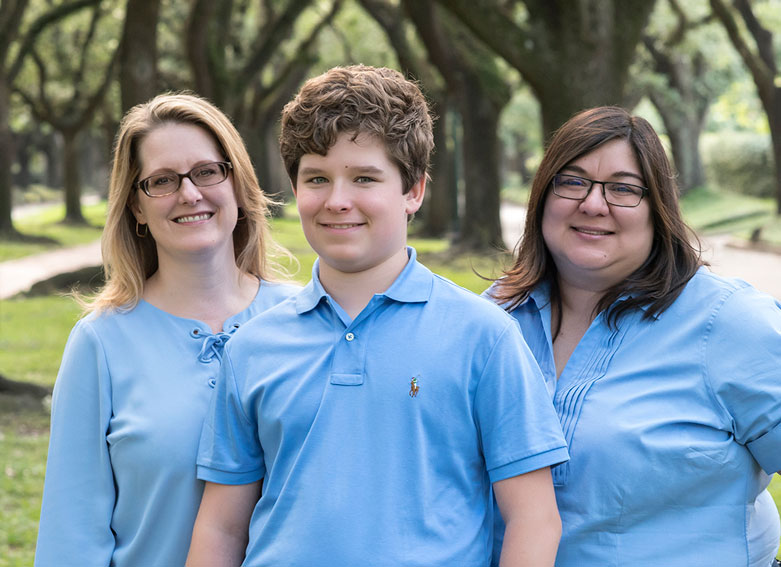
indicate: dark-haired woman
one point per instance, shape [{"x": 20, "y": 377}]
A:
[{"x": 666, "y": 378}]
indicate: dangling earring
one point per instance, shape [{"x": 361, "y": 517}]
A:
[
  {"x": 242, "y": 215},
  {"x": 138, "y": 230}
]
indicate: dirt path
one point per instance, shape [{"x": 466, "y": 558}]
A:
[{"x": 726, "y": 258}]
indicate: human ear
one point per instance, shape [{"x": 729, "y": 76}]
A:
[
  {"x": 414, "y": 197},
  {"x": 136, "y": 210}
]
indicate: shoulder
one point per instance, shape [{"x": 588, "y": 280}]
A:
[
  {"x": 271, "y": 317},
  {"x": 278, "y": 290},
  {"x": 725, "y": 301},
  {"x": 100, "y": 322},
  {"x": 455, "y": 300}
]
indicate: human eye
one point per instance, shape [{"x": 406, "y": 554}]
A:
[
  {"x": 162, "y": 180},
  {"x": 317, "y": 180},
  {"x": 207, "y": 171},
  {"x": 623, "y": 189},
  {"x": 364, "y": 179},
  {"x": 571, "y": 181}
]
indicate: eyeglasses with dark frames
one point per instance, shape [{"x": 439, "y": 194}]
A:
[
  {"x": 615, "y": 193},
  {"x": 167, "y": 182}
]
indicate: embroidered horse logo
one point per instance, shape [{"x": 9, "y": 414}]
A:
[{"x": 413, "y": 388}]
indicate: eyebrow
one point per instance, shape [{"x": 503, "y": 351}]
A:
[
  {"x": 578, "y": 169},
  {"x": 356, "y": 169}
]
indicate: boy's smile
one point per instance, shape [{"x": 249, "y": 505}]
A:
[{"x": 352, "y": 206}]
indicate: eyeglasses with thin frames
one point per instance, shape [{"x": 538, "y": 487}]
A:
[
  {"x": 168, "y": 182},
  {"x": 615, "y": 193}
]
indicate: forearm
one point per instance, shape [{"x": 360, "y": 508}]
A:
[
  {"x": 221, "y": 531},
  {"x": 531, "y": 543},
  {"x": 533, "y": 526},
  {"x": 213, "y": 546}
]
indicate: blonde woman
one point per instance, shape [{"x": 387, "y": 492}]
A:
[{"x": 185, "y": 250}]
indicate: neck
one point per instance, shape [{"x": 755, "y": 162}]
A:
[
  {"x": 209, "y": 288},
  {"x": 353, "y": 290},
  {"x": 578, "y": 300}
]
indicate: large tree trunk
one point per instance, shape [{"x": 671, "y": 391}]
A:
[
  {"x": 7, "y": 229},
  {"x": 439, "y": 208},
  {"x": 684, "y": 132},
  {"x": 481, "y": 225},
  {"x": 72, "y": 178},
  {"x": 775, "y": 136},
  {"x": 138, "y": 59},
  {"x": 480, "y": 91}
]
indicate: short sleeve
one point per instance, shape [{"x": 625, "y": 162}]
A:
[
  {"x": 519, "y": 428},
  {"x": 743, "y": 360},
  {"x": 229, "y": 450},
  {"x": 78, "y": 495}
]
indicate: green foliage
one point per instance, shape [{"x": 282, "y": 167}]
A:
[
  {"x": 740, "y": 162},
  {"x": 354, "y": 38}
]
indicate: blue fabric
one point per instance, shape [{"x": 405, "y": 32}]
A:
[
  {"x": 357, "y": 470},
  {"x": 127, "y": 412},
  {"x": 674, "y": 428}
]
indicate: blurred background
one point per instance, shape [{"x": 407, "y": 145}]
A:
[{"x": 501, "y": 76}]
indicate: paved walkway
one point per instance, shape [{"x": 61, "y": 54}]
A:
[
  {"x": 760, "y": 269},
  {"x": 19, "y": 275}
]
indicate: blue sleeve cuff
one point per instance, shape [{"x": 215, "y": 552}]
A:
[
  {"x": 224, "y": 477},
  {"x": 528, "y": 464},
  {"x": 767, "y": 450}
]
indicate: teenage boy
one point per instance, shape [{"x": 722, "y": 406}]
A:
[{"x": 378, "y": 407}]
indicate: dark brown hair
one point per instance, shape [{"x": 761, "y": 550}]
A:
[
  {"x": 673, "y": 260},
  {"x": 361, "y": 100}
]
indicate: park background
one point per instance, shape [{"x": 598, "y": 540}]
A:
[{"x": 501, "y": 75}]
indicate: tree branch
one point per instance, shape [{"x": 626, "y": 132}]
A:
[
  {"x": 497, "y": 30},
  {"x": 763, "y": 76},
  {"x": 39, "y": 25},
  {"x": 762, "y": 37},
  {"x": 11, "y": 12},
  {"x": 274, "y": 33}
]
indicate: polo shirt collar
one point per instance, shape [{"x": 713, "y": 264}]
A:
[{"x": 412, "y": 285}]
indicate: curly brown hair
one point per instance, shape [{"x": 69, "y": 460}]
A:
[{"x": 360, "y": 100}]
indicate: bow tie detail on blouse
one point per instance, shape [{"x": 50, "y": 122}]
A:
[{"x": 213, "y": 345}]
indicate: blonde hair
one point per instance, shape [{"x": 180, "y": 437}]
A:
[{"x": 128, "y": 260}]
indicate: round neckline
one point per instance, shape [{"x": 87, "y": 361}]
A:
[{"x": 203, "y": 327}]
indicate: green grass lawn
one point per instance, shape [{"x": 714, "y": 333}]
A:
[{"x": 33, "y": 332}]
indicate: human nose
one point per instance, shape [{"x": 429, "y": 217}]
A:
[
  {"x": 338, "y": 199},
  {"x": 188, "y": 191},
  {"x": 595, "y": 203}
]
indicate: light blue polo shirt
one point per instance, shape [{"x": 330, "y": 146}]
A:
[
  {"x": 127, "y": 413},
  {"x": 378, "y": 438},
  {"x": 674, "y": 428}
]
